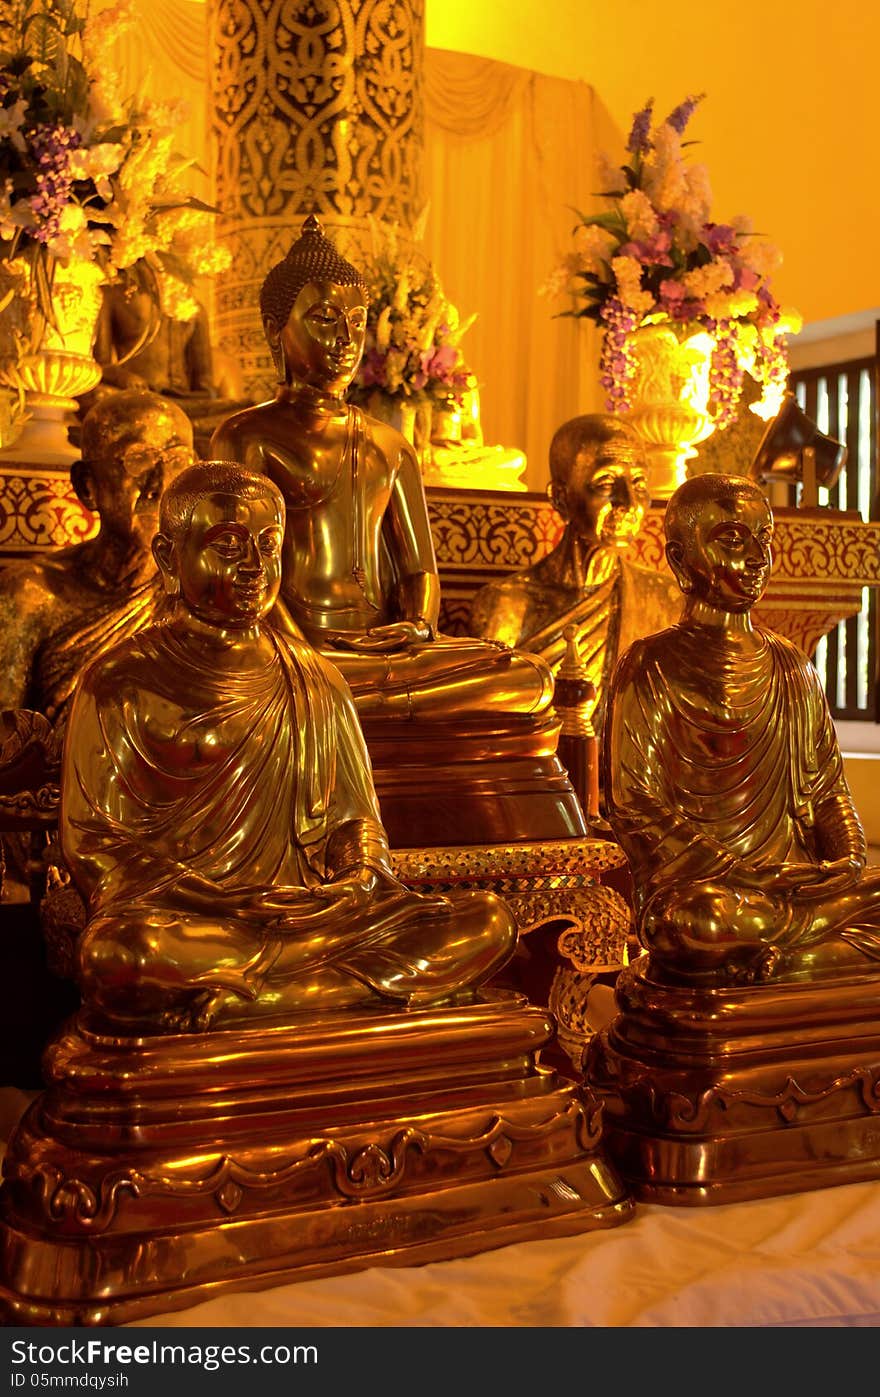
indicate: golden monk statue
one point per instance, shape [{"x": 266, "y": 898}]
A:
[
  {"x": 598, "y": 485},
  {"x": 723, "y": 775},
  {"x": 217, "y": 809},
  {"x": 360, "y": 577},
  {"x": 61, "y": 608}
]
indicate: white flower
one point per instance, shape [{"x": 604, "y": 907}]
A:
[
  {"x": 664, "y": 176},
  {"x": 593, "y": 247},
  {"x": 74, "y": 238},
  {"x": 628, "y": 274},
  {"x": 762, "y": 258},
  {"x": 97, "y": 163},
  {"x": 640, "y": 215},
  {"x": 11, "y": 119}
]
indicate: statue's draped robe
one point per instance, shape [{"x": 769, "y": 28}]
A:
[
  {"x": 610, "y": 600},
  {"x": 56, "y": 620},
  {"x": 352, "y": 538},
  {"x": 179, "y": 779},
  {"x": 715, "y": 760}
]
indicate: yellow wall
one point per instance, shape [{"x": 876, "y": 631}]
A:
[{"x": 789, "y": 129}]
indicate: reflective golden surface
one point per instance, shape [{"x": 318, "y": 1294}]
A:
[
  {"x": 598, "y": 486},
  {"x": 138, "y": 346},
  {"x": 724, "y": 779},
  {"x": 282, "y": 1067},
  {"x": 745, "y": 1057},
  {"x": 359, "y": 581},
  {"x": 217, "y": 809},
  {"x": 61, "y": 608},
  {"x": 157, "y": 1172},
  {"x": 359, "y": 578}
]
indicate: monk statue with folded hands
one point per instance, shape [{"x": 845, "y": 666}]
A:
[
  {"x": 723, "y": 774},
  {"x": 218, "y": 812}
]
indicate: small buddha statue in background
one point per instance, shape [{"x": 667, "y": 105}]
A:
[
  {"x": 63, "y": 607},
  {"x": 457, "y": 445},
  {"x": 598, "y": 485},
  {"x": 138, "y": 346},
  {"x": 359, "y": 577},
  {"x": 218, "y": 811},
  {"x": 723, "y": 777}
]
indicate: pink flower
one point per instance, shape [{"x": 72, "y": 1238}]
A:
[
  {"x": 719, "y": 238},
  {"x": 746, "y": 279},
  {"x": 651, "y": 252}
]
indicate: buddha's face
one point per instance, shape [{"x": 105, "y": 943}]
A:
[
  {"x": 129, "y": 466},
  {"x": 727, "y": 557},
  {"x": 606, "y": 494},
  {"x": 228, "y": 563},
  {"x": 323, "y": 339}
]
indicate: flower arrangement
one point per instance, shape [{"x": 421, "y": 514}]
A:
[
  {"x": 412, "y": 348},
  {"x": 86, "y": 174},
  {"x": 657, "y": 256}
]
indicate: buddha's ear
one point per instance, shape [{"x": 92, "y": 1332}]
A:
[
  {"x": 676, "y": 559},
  {"x": 558, "y": 493},
  {"x": 166, "y": 562},
  {"x": 83, "y": 482},
  {"x": 272, "y": 331}
]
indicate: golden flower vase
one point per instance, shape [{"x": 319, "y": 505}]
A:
[{"x": 47, "y": 364}]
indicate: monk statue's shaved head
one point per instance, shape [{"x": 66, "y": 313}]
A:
[
  {"x": 208, "y": 478},
  {"x": 690, "y": 500}
]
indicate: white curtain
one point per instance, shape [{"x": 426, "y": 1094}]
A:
[{"x": 509, "y": 152}]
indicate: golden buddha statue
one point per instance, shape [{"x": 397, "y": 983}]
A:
[
  {"x": 359, "y": 577},
  {"x": 723, "y": 775},
  {"x": 598, "y": 485},
  {"x": 63, "y": 607},
  {"x": 218, "y": 813},
  {"x": 138, "y": 346}
]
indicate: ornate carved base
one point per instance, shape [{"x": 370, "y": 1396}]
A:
[
  {"x": 713, "y": 1096},
  {"x": 155, "y": 1173},
  {"x": 572, "y": 929},
  {"x": 446, "y": 783}
]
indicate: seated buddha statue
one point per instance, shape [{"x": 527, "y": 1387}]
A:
[
  {"x": 62, "y": 607},
  {"x": 218, "y": 813},
  {"x": 138, "y": 346},
  {"x": 723, "y": 775},
  {"x": 359, "y": 575},
  {"x": 598, "y": 485}
]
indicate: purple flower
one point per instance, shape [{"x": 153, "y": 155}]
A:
[
  {"x": 679, "y": 117},
  {"x": 639, "y": 137},
  {"x": 51, "y": 147}
]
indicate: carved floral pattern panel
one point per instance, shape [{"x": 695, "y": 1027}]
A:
[{"x": 317, "y": 108}]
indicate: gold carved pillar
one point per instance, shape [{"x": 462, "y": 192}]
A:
[{"x": 318, "y": 108}]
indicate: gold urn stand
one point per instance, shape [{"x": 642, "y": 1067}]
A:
[
  {"x": 719, "y": 1095},
  {"x": 158, "y": 1172}
]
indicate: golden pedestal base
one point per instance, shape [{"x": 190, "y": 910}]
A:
[
  {"x": 480, "y": 782},
  {"x": 714, "y": 1096},
  {"x": 156, "y": 1173}
]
